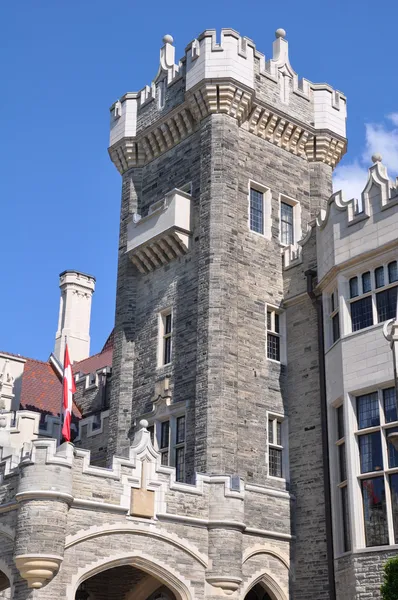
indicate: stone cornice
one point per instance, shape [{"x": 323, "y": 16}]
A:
[{"x": 234, "y": 99}]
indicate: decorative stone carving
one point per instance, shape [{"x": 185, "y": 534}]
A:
[
  {"x": 37, "y": 570},
  {"x": 229, "y": 585}
]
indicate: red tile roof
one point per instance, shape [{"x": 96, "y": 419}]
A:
[
  {"x": 42, "y": 389},
  {"x": 94, "y": 363}
]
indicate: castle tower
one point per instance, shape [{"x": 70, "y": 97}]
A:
[
  {"x": 74, "y": 315},
  {"x": 225, "y": 160}
]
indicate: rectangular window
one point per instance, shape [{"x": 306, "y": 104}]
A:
[
  {"x": 386, "y": 304},
  {"x": 287, "y": 227},
  {"x": 256, "y": 211},
  {"x": 334, "y": 316},
  {"x": 368, "y": 410},
  {"x": 180, "y": 463},
  {"x": 375, "y": 513},
  {"x": 340, "y": 421},
  {"x": 392, "y": 272},
  {"x": 361, "y": 313},
  {"x": 273, "y": 335},
  {"x": 392, "y": 452},
  {"x": 366, "y": 282},
  {"x": 379, "y": 277},
  {"x": 164, "y": 435},
  {"x": 171, "y": 443},
  {"x": 390, "y": 407},
  {"x": 180, "y": 433},
  {"x": 166, "y": 326},
  {"x": 345, "y": 519},
  {"x": 275, "y": 448},
  {"x": 394, "y": 503},
  {"x": 335, "y": 328},
  {"x": 370, "y": 452},
  {"x": 353, "y": 287},
  {"x": 342, "y": 463}
]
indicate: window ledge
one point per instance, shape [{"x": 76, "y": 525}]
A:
[{"x": 364, "y": 330}]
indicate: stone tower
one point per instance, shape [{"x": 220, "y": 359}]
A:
[
  {"x": 225, "y": 160},
  {"x": 74, "y": 315}
]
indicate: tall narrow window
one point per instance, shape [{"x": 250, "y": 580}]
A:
[
  {"x": 342, "y": 478},
  {"x": 361, "y": 313},
  {"x": 273, "y": 335},
  {"x": 375, "y": 513},
  {"x": 180, "y": 448},
  {"x": 392, "y": 272},
  {"x": 165, "y": 341},
  {"x": 287, "y": 225},
  {"x": 275, "y": 448},
  {"x": 386, "y": 302},
  {"x": 256, "y": 211},
  {"x": 334, "y": 316},
  {"x": 164, "y": 442}
]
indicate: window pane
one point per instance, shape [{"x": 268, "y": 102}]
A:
[
  {"x": 180, "y": 464},
  {"x": 392, "y": 453},
  {"x": 361, "y": 313},
  {"x": 366, "y": 283},
  {"x": 279, "y": 433},
  {"x": 286, "y": 223},
  {"x": 390, "y": 407},
  {"x": 167, "y": 324},
  {"x": 165, "y": 458},
  {"x": 368, "y": 411},
  {"x": 273, "y": 347},
  {"x": 276, "y": 318},
  {"x": 346, "y": 519},
  {"x": 180, "y": 433},
  {"x": 336, "y": 328},
  {"x": 392, "y": 271},
  {"x": 256, "y": 211},
  {"x": 394, "y": 502},
  {"x": 151, "y": 430},
  {"x": 270, "y": 431},
  {"x": 164, "y": 434},
  {"x": 269, "y": 320},
  {"x": 386, "y": 304},
  {"x": 340, "y": 422},
  {"x": 374, "y": 508},
  {"x": 370, "y": 452},
  {"x": 379, "y": 276},
  {"x": 332, "y": 303},
  {"x": 167, "y": 351},
  {"x": 275, "y": 462},
  {"x": 342, "y": 463},
  {"x": 353, "y": 287}
]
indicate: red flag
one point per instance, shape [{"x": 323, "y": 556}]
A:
[{"x": 68, "y": 391}]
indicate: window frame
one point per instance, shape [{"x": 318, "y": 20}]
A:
[
  {"x": 372, "y": 293},
  {"x": 173, "y": 445},
  {"x": 282, "y": 447},
  {"x": 296, "y": 226},
  {"x": 163, "y": 337},
  {"x": 267, "y": 209},
  {"x": 342, "y": 482},
  {"x": 384, "y": 428},
  {"x": 281, "y": 334}
]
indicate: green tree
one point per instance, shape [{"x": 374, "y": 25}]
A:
[{"x": 389, "y": 589}]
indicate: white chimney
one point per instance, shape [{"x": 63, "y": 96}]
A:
[{"x": 74, "y": 315}]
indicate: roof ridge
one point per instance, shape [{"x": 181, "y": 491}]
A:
[{"x": 44, "y": 362}]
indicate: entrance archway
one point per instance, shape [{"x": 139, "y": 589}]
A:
[
  {"x": 123, "y": 583},
  {"x": 5, "y": 586},
  {"x": 258, "y": 592}
]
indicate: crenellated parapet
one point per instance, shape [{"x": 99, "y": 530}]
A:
[
  {"x": 137, "y": 491},
  {"x": 231, "y": 77}
]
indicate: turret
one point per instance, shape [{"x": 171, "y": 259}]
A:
[{"x": 74, "y": 315}]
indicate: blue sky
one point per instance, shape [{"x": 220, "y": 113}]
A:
[{"x": 65, "y": 62}]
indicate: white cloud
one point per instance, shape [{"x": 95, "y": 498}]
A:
[{"x": 380, "y": 138}]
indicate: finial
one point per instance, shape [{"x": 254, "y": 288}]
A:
[
  {"x": 377, "y": 157},
  {"x": 143, "y": 424},
  {"x": 280, "y": 33},
  {"x": 168, "y": 39}
]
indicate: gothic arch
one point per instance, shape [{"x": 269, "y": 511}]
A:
[
  {"x": 166, "y": 576},
  {"x": 270, "y": 585}
]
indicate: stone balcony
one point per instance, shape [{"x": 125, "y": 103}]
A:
[{"x": 163, "y": 234}]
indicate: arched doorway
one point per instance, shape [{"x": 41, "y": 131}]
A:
[
  {"x": 123, "y": 583},
  {"x": 258, "y": 592},
  {"x": 5, "y": 586}
]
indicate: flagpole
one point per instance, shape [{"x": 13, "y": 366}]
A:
[{"x": 59, "y": 437}]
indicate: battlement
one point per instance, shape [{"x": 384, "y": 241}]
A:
[{"x": 228, "y": 76}]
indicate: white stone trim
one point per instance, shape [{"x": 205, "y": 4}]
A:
[
  {"x": 264, "y": 549},
  {"x": 297, "y": 226},
  {"x": 269, "y": 583},
  {"x": 267, "y": 208}
]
